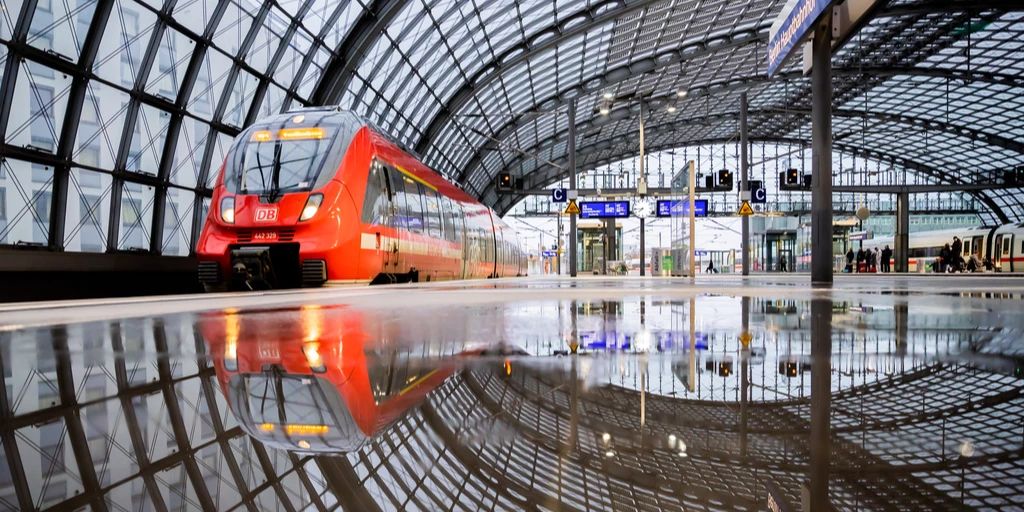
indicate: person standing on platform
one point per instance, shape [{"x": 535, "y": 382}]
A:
[
  {"x": 782, "y": 264},
  {"x": 886, "y": 257},
  {"x": 874, "y": 260},
  {"x": 849, "y": 260},
  {"x": 860, "y": 260},
  {"x": 711, "y": 267},
  {"x": 944, "y": 258},
  {"x": 957, "y": 258}
]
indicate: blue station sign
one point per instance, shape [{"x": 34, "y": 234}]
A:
[
  {"x": 796, "y": 23},
  {"x": 681, "y": 208},
  {"x": 604, "y": 209}
]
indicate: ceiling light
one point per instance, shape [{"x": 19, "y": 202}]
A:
[
  {"x": 671, "y": 109},
  {"x": 681, "y": 93},
  {"x": 608, "y": 95},
  {"x": 605, "y": 110}
]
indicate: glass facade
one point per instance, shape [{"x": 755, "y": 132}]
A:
[{"x": 116, "y": 114}]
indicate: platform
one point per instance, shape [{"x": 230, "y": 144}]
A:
[{"x": 587, "y": 394}]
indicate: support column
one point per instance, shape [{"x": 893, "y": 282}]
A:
[
  {"x": 643, "y": 177},
  {"x": 901, "y": 251},
  {"x": 744, "y": 171},
  {"x": 821, "y": 151},
  {"x": 692, "y": 191},
  {"x": 571, "y": 149},
  {"x": 643, "y": 249}
]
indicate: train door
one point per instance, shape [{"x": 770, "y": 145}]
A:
[
  {"x": 997, "y": 253},
  {"x": 394, "y": 257},
  {"x": 1007, "y": 254}
]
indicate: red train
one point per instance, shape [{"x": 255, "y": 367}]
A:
[
  {"x": 315, "y": 381},
  {"x": 318, "y": 196}
]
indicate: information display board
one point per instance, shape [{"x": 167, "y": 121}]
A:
[
  {"x": 681, "y": 207},
  {"x": 604, "y": 209}
]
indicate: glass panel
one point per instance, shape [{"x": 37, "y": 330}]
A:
[
  {"x": 220, "y": 150},
  {"x": 40, "y": 99},
  {"x": 234, "y": 26},
  {"x": 99, "y": 131},
  {"x": 68, "y": 21},
  {"x": 178, "y": 222},
  {"x": 136, "y": 217},
  {"x": 124, "y": 44},
  {"x": 210, "y": 82},
  {"x": 9, "y": 17},
  {"x": 241, "y": 98},
  {"x": 188, "y": 155},
  {"x": 25, "y": 203},
  {"x": 171, "y": 62},
  {"x": 88, "y": 211},
  {"x": 148, "y": 140},
  {"x": 265, "y": 44}
]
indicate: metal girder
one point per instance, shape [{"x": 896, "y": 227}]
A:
[
  {"x": 748, "y": 82},
  {"x": 505, "y": 203},
  {"x": 973, "y": 134},
  {"x": 372, "y": 23},
  {"x": 952, "y": 6},
  {"x": 566, "y": 29},
  {"x": 515, "y": 123}
]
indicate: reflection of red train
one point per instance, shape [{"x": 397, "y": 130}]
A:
[
  {"x": 319, "y": 196},
  {"x": 311, "y": 381}
]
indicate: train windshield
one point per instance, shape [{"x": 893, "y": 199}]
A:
[
  {"x": 286, "y": 155},
  {"x": 278, "y": 399}
]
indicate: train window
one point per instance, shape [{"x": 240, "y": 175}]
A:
[
  {"x": 1006, "y": 246},
  {"x": 414, "y": 205},
  {"x": 432, "y": 213},
  {"x": 375, "y": 201}
]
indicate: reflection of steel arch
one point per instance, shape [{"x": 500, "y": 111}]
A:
[{"x": 138, "y": 427}]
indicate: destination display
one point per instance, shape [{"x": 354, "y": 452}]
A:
[
  {"x": 681, "y": 207},
  {"x": 604, "y": 209}
]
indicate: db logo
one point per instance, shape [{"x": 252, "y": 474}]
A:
[{"x": 266, "y": 215}]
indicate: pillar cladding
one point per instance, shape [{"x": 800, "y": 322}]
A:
[
  {"x": 901, "y": 251},
  {"x": 821, "y": 150}
]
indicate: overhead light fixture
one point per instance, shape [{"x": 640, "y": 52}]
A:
[
  {"x": 672, "y": 109},
  {"x": 681, "y": 93},
  {"x": 608, "y": 95},
  {"x": 605, "y": 109}
]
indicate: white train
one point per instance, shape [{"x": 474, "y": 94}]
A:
[{"x": 1003, "y": 245}]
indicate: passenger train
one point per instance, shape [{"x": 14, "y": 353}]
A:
[
  {"x": 320, "y": 196},
  {"x": 1002, "y": 245},
  {"x": 320, "y": 379}
]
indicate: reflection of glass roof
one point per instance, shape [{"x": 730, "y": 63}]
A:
[{"x": 114, "y": 116}]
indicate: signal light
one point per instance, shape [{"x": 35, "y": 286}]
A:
[
  {"x": 504, "y": 181},
  {"x": 792, "y": 177},
  {"x": 725, "y": 179}
]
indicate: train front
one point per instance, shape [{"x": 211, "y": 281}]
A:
[
  {"x": 310, "y": 380},
  {"x": 278, "y": 206}
]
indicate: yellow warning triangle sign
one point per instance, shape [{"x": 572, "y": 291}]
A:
[
  {"x": 745, "y": 209},
  {"x": 572, "y": 209}
]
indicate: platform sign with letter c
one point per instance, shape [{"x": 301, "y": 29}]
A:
[
  {"x": 758, "y": 194},
  {"x": 559, "y": 195}
]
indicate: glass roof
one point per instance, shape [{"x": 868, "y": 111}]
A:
[{"x": 115, "y": 114}]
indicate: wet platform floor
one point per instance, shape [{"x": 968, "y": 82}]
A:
[{"x": 544, "y": 393}]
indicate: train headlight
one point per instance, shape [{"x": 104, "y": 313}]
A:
[
  {"x": 227, "y": 210},
  {"x": 312, "y": 205},
  {"x": 231, "y": 356},
  {"x": 313, "y": 357}
]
